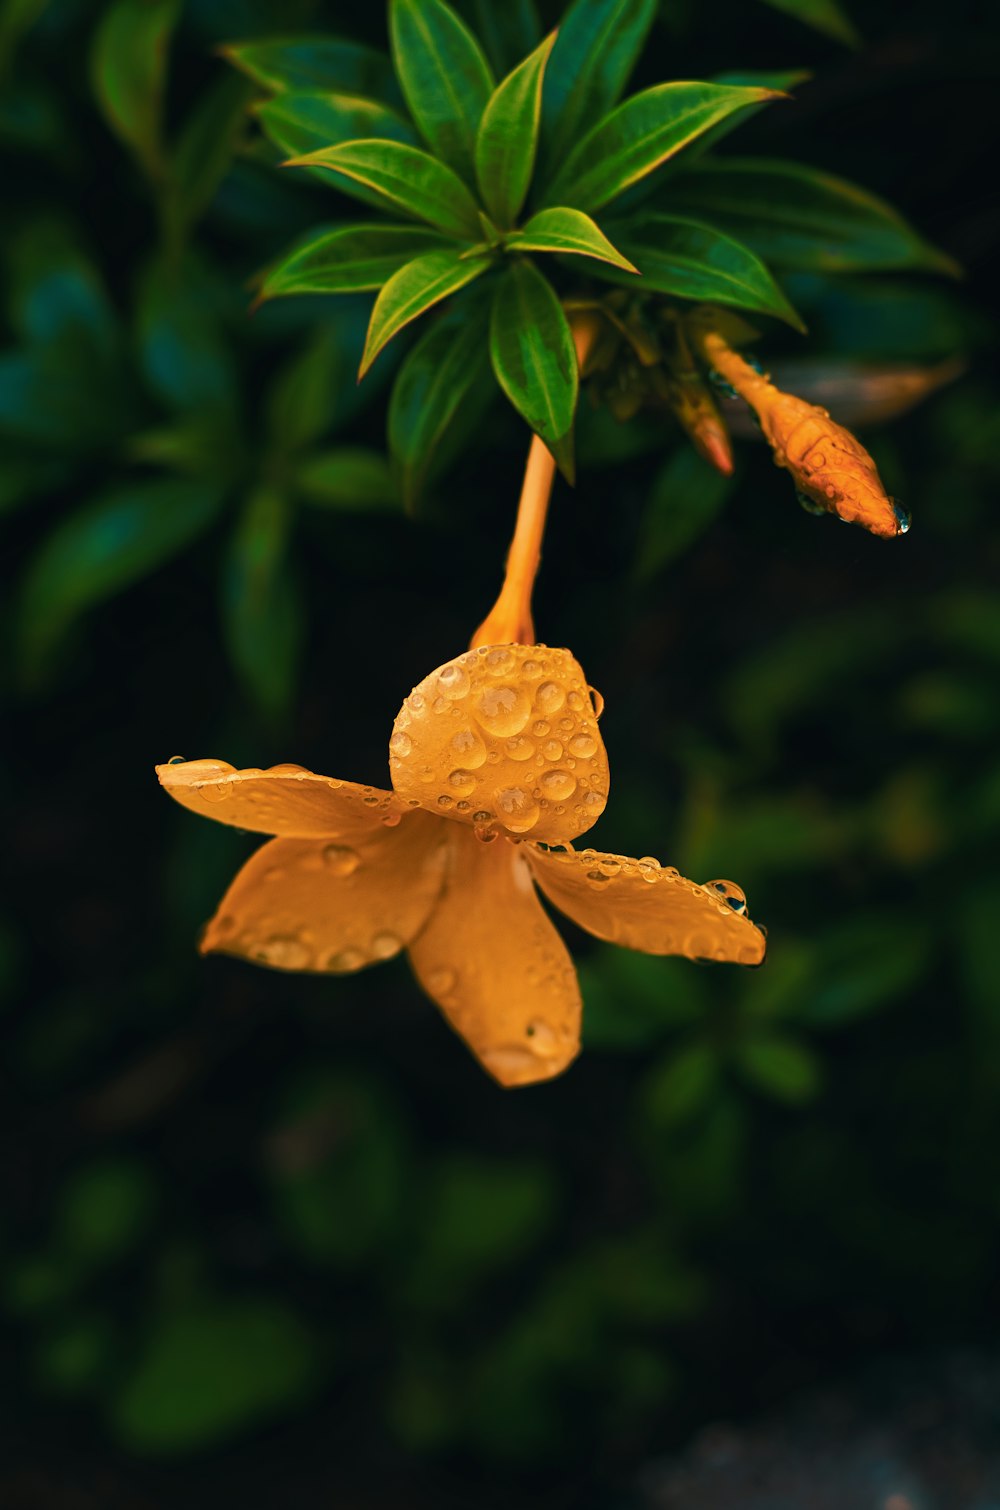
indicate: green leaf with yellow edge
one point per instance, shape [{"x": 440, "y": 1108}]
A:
[
  {"x": 639, "y": 136},
  {"x": 508, "y": 137},
  {"x": 261, "y": 608},
  {"x": 566, "y": 231},
  {"x": 799, "y": 217},
  {"x": 596, "y": 49},
  {"x": 780, "y": 1067},
  {"x": 101, "y": 549},
  {"x": 444, "y": 76},
  {"x": 435, "y": 383},
  {"x": 534, "y": 359},
  {"x": 128, "y": 72},
  {"x": 418, "y": 286},
  {"x": 298, "y": 123},
  {"x": 694, "y": 261},
  {"x": 404, "y": 179},
  {"x": 825, "y": 16},
  {"x": 350, "y": 259},
  {"x": 350, "y": 478},
  {"x": 316, "y": 64}
]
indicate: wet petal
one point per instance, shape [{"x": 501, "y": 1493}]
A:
[
  {"x": 321, "y": 905},
  {"x": 496, "y": 966},
  {"x": 643, "y": 905},
  {"x": 504, "y": 737},
  {"x": 286, "y": 800}
]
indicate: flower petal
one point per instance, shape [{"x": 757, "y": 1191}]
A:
[
  {"x": 286, "y": 800},
  {"x": 642, "y": 905},
  {"x": 307, "y": 904},
  {"x": 496, "y": 966},
  {"x": 504, "y": 737}
]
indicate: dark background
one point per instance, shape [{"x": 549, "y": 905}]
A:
[{"x": 272, "y": 1240}]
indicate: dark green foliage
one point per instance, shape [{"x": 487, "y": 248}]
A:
[{"x": 275, "y": 1240}]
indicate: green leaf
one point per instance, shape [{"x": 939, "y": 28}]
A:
[
  {"x": 444, "y": 76},
  {"x": 825, "y": 16},
  {"x": 350, "y": 478},
  {"x": 781, "y": 1068},
  {"x": 799, "y": 217},
  {"x": 300, "y": 123},
  {"x": 104, "y": 547},
  {"x": 316, "y": 65},
  {"x": 596, "y": 49},
  {"x": 508, "y": 32},
  {"x": 439, "y": 374},
  {"x": 694, "y": 261},
  {"x": 205, "y": 150},
  {"x": 128, "y": 71},
  {"x": 639, "y": 136},
  {"x": 534, "y": 358},
  {"x": 508, "y": 136},
  {"x": 404, "y": 178},
  {"x": 418, "y": 286},
  {"x": 681, "y": 1085},
  {"x": 211, "y": 1371},
  {"x": 184, "y": 354},
  {"x": 301, "y": 403},
  {"x": 686, "y": 497},
  {"x": 261, "y": 613},
  {"x": 350, "y": 259},
  {"x": 567, "y": 231}
]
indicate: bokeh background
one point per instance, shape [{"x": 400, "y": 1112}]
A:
[{"x": 277, "y": 1240}]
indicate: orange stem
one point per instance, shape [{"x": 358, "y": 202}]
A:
[{"x": 509, "y": 621}]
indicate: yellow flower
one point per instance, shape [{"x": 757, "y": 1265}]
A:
[{"x": 494, "y": 757}]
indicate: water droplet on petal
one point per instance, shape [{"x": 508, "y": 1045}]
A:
[
  {"x": 729, "y": 892},
  {"x": 463, "y": 782},
  {"x": 216, "y": 791},
  {"x": 392, "y": 819},
  {"x": 557, "y": 785},
  {"x": 470, "y": 747},
  {"x": 285, "y": 953},
  {"x": 519, "y": 809},
  {"x": 176, "y": 760},
  {"x": 453, "y": 682},
  {"x": 441, "y": 981},
  {"x": 541, "y": 728},
  {"x": 649, "y": 868},
  {"x": 519, "y": 748},
  {"x": 385, "y": 945},
  {"x": 583, "y": 745},
  {"x": 344, "y": 961},
  {"x": 597, "y": 699},
  {"x": 903, "y": 519},
  {"x": 503, "y": 710},
  {"x": 542, "y": 1039},
  {"x": 500, "y": 661},
  {"x": 400, "y": 744},
  {"x": 552, "y": 749},
  {"x": 549, "y": 698}
]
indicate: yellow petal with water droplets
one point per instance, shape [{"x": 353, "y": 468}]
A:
[
  {"x": 332, "y": 907},
  {"x": 496, "y": 966},
  {"x": 643, "y": 905},
  {"x": 286, "y": 800},
  {"x": 505, "y": 739}
]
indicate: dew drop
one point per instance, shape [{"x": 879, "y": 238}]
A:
[
  {"x": 541, "y": 728},
  {"x": 542, "y": 1039},
  {"x": 500, "y": 661},
  {"x": 558, "y": 785},
  {"x": 574, "y": 701},
  {"x": 597, "y": 698},
  {"x": 485, "y": 833},
  {"x": 285, "y": 953},
  {"x": 483, "y": 816},
  {"x": 470, "y": 747},
  {"x": 503, "y": 710},
  {"x": 416, "y": 701},
  {"x": 176, "y": 760},
  {"x": 392, "y": 819},
  {"x": 549, "y": 698},
  {"x": 217, "y": 791},
  {"x": 583, "y": 745},
  {"x": 344, "y": 961},
  {"x": 441, "y": 981},
  {"x": 519, "y": 748},
  {"x": 649, "y": 868},
  {"x": 445, "y": 801},
  {"x": 463, "y": 782},
  {"x": 903, "y": 520},
  {"x": 552, "y": 749},
  {"x": 531, "y": 670},
  {"x": 385, "y": 945},
  {"x": 453, "y": 682},
  {"x": 807, "y": 503},
  {"x": 341, "y": 859},
  {"x": 400, "y": 744},
  {"x": 729, "y": 892},
  {"x": 520, "y": 810}
]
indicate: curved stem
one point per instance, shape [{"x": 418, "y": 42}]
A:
[{"x": 509, "y": 621}]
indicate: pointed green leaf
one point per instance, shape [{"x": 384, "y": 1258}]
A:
[
  {"x": 349, "y": 478},
  {"x": 418, "y": 286},
  {"x": 781, "y": 81},
  {"x": 437, "y": 377},
  {"x": 308, "y": 122},
  {"x": 508, "y": 136},
  {"x": 205, "y": 149},
  {"x": 598, "y": 44},
  {"x": 316, "y": 64},
  {"x": 570, "y": 231},
  {"x": 350, "y": 259},
  {"x": 444, "y": 76},
  {"x": 534, "y": 358},
  {"x": 100, "y": 550},
  {"x": 694, "y": 261},
  {"x": 261, "y": 611},
  {"x": 405, "y": 178},
  {"x": 508, "y": 32},
  {"x": 825, "y": 16},
  {"x": 639, "y": 136},
  {"x": 799, "y": 217},
  {"x": 128, "y": 69}
]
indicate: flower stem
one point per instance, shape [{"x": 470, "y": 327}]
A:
[{"x": 510, "y": 621}]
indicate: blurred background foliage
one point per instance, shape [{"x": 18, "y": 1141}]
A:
[{"x": 274, "y": 1239}]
